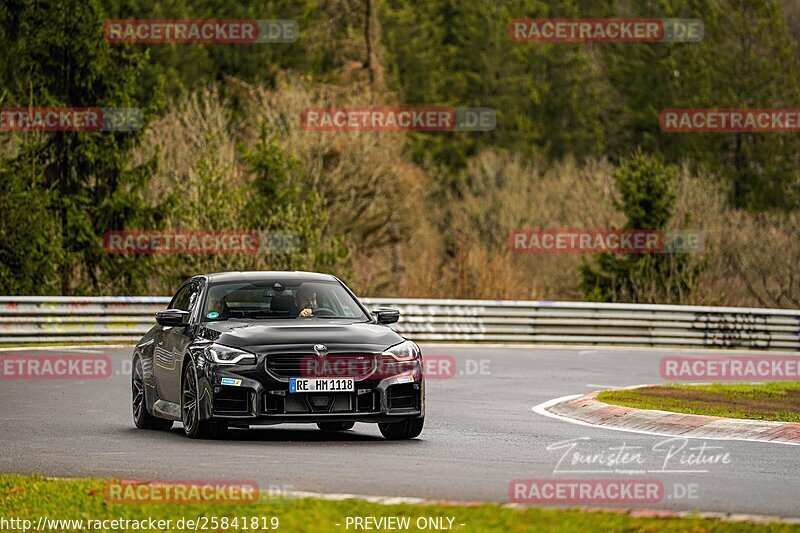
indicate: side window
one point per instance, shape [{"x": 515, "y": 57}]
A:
[
  {"x": 185, "y": 298},
  {"x": 193, "y": 296}
]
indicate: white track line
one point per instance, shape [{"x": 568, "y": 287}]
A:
[
  {"x": 541, "y": 409},
  {"x": 598, "y": 348}
]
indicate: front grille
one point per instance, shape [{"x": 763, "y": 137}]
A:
[
  {"x": 365, "y": 401},
  {"x": 285, "y": 365},
  {"x": 336, "y": 402},
  {"x": 357, "y": 366},
  {"x": 296, "y": 404}
]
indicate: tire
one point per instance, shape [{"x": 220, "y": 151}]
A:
[
  {"x": 335, "y": 426},
  {"x": 407, "y": 429},
  {"x": 193, "y": 427},
  {"x": 141, "y": 417}
]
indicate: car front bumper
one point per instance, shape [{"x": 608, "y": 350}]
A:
[{"x": 252, "y": 395}]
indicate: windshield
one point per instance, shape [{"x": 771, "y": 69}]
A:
[{"x": 270, "y": 299}]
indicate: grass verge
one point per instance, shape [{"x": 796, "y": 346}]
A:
[
  {"x": 766, "y": 401},
  {"x": 32, "y": 497}
]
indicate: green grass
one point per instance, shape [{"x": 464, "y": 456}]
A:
[
  {"x": 779, "y": 401},
  {"x": 30, "y": 497}
]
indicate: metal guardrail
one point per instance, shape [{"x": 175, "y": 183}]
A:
[{"x": 31, "y": 319}]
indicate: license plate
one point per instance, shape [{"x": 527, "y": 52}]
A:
[{"x": 322, "y": 385}]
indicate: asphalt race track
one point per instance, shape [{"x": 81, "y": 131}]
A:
[{"x": 480, "y": 433}]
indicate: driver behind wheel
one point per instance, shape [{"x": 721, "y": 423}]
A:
[
  {"x": 218, "y": 309},
  {"x": 305, "y": 301}
]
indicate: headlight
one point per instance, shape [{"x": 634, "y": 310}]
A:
[
  {"x": 405, "y": 351},
  {"x": 225, "y": 355}
]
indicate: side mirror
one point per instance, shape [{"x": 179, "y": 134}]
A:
[
  {"x": 172, "y": 317},
  {"x": 385, "y": 315}
]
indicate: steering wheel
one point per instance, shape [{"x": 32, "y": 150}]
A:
[{"x": 323, "y": 311}]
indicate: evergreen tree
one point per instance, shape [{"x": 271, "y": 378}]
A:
[
  {"x": 746, "y": 59},
  {"x": 295, "y": 218},
  {"x": 646, "y": 187},
  {"x": 546, "y": 96},
  {"x": 56, "y": 56}
]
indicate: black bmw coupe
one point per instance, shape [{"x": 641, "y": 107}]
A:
[{"x": 259, "y": 348}]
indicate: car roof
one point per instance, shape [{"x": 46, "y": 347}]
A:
[{"x": 268, "y": 275}]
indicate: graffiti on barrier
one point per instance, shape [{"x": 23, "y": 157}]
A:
[{"x": 733, "y": 329}]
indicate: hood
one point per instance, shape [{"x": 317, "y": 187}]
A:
[{"x": 265, "y": 336}]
